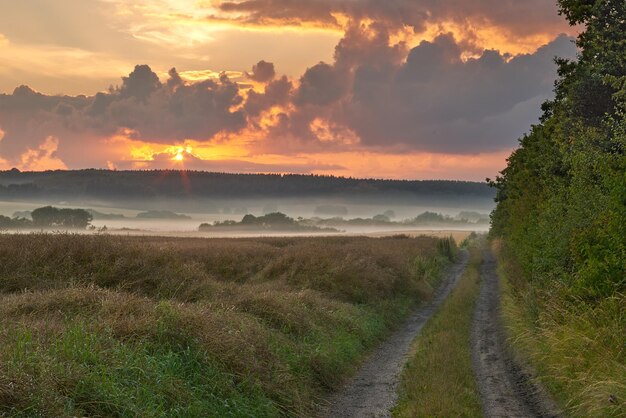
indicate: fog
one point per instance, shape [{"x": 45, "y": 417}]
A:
[{"x": 202, "y": 211}]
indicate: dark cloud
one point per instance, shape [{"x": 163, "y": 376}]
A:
[
  {"x": 198, "y": 110},
  {"x": 140, "y": 84},
  {"x": 321, "y": 85},
  {"x": 28, "y": 118},
  {"x": 276, "y": 93},
  {"x": 437, "y": 102},
  {"x": 174, "y": 81},
  {"x": 369, "y": 44},
  {"x": 262, "y": 72},
  {"x": 539, "y": 15},
  {"x": 143, "y": 106},
  {"x": 432, "y": 101},
  {"x": 289, "y": 11}
]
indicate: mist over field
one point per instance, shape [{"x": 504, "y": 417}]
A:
[{"x": 178, "y": 202}]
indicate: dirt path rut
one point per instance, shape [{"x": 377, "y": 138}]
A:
[
  {"x": 372, "y": 392},
  {"x": 506, "y": 389}
]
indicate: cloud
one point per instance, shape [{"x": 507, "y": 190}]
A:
[
  {"x": 437, "y": 102},
  {"x": 170, "y": 112},
  {"x": 262, "y": 72},
  {"x": 379, "y": 94},
  {"x": 44, "y": 157},
  {"x": 539, "y": 15},
  {"x": 141, "y": 83},
  {"x": 434, "y": 101},
  {"x": 276, "y": 93},
  {"x": 321, "y": 85},
  {"x": 142, "y": 108}
]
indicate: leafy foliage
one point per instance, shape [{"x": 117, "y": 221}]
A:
[
  {"x": 49, "y": 216},
  {"x": 562, "y": 197}
]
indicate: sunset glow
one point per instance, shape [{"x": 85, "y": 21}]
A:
[{"x": 343, "y": 88}]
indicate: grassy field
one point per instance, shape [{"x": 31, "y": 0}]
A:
[
  {"x": 138, "y": 326},
  {"x": 577, "y": 347},
  {"x": 438, "y": 380}
]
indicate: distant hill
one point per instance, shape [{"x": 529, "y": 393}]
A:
[{"x": 168, "y": 184}]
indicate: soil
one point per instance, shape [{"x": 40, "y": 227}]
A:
[
  {"x": 372, "y": 392},
  {"x": 506, "y": 386}
]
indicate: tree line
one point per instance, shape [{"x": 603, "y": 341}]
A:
[
  {"x": 561, "y": 201},
  {"x": 110, "y": 184}
]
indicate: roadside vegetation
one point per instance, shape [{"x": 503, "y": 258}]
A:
[
  {"x": 438, "y": 380},
  {"x": 120, "y": 326},
  {"x": 575, "y": 346},
  {"x": 561, "y": 214}
]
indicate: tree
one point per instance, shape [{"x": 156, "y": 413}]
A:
[
  {"x": 561, "y": 200},
  {"x": 249, "y": 220},
  {"x": 49, "y": 216},
  {"x": 381, "y": 218}
]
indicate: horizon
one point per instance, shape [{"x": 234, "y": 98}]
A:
[
  {"x": 347, "y": 88},
  {"x": 276, "y": 174}
]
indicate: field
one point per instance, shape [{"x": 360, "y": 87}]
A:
[{"x": 104, "y": 325}]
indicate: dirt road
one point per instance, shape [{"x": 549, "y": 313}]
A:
[
  {"x": 506, "y": 389},
  {"x": 372, "y": 392}
]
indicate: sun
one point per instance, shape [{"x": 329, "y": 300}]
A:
[{"x": 178, "y": 153}]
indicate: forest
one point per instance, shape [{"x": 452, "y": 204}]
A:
[{"x": 110, "y": 185}]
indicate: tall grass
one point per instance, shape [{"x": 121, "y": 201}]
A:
[
  {"x": 438, "y": 380},
  {"x": 577, "y": 347},
  {"x": 121, "y": 326}
]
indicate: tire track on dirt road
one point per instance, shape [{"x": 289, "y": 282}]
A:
[
  {"x": 506, "y": 389},
  {"x": 372, "y": 392}
]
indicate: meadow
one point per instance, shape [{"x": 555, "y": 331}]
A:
[{"x": 101, "y": 325}]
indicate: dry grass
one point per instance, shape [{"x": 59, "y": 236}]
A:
[
  {"x": 127, "y": 326},
  {"x": 577, "y": 348},
  {"x": 438, "y": 380}
]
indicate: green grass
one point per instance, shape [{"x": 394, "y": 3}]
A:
[
  {"x": 122, "y": 326},
  {"x": 577, "y": 347},
  {"x": 438, "y": 380}
]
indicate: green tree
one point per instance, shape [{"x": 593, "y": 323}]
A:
[
  {"x": 561, "y": 200},
  {"x": 49, "y": 216}
]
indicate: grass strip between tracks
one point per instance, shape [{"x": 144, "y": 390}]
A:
[{"x": 438, "y": 380}]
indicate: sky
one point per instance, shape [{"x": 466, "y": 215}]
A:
[{"x": 404, "y": 89}]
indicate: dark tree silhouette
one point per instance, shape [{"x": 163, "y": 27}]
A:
[{"x": 49, "y": 216}]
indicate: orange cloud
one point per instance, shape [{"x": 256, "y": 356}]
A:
[
  {"x": 412, "y": 165},
  {"x": 475, "y": 38},
  {"x": 42, "y": 158},
  {"x": 233, "y": 154}
]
